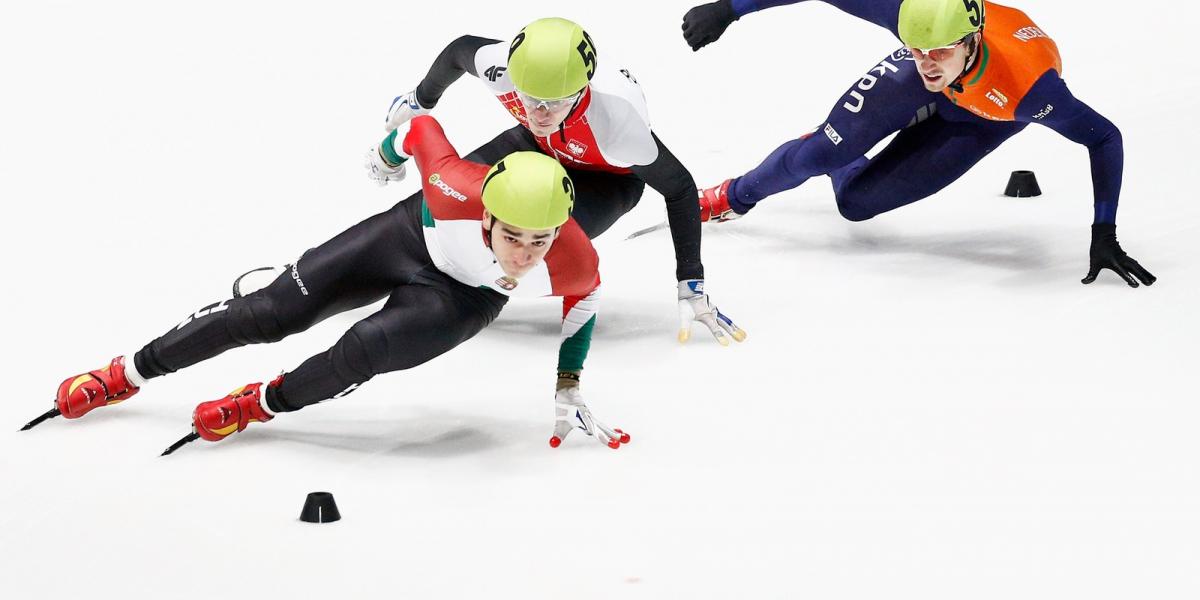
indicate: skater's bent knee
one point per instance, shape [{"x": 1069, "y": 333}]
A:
[
  {"x": 255, "y": 320},
  {"x": 362, "y": 352},
  {"x": 854, "y": 211}
]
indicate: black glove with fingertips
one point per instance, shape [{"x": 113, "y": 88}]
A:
[
  {"x": 1106, "y": 253},
  {"x": 704, "y": 24}
]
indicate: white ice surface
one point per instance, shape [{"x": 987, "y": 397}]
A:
[{"x": 929, "y": 405}]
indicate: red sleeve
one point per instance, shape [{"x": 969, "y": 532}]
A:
[
  {"x": 452, "y": 185},
  {"x": 573, "y": 264}
]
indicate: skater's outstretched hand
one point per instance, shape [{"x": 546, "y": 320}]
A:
[
  {"x": 403, "y": 109},
  {"x": 378, "y": 169},
  {"x": 704, "y": 24},
  {"x": 1106, "y": 253},
  {"x": 695, "y": 305},
  {"x": 385, "y": 162},
  {"x": 571, "y": 413}
]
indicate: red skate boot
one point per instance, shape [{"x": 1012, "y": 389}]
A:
[
  {"x": 714, "y": 204},
  {"x": 218, "y": 419},
  {"x": 80, "y": 394}
]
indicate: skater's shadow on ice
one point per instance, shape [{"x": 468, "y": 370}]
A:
[
  {"x": 616, "y": 320},
  {"x": 987, "y": 248},
  {"x": 806, "y": 228},
  {"x": 401, "y": 441},
  {"x": 425, "y": 434}
]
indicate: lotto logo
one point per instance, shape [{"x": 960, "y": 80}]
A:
[{"x": 996, "y": 97}]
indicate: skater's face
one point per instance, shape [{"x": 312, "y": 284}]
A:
[
  {"x": 518, "y": 250},
  {"x": 939, "y": 67},
  {"x": 544, "y": 116}
]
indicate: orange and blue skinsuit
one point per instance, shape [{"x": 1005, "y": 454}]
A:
[{"x": 1015, "y": 79}]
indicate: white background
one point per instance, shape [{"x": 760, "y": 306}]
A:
[{"x": 929, "y": 403}]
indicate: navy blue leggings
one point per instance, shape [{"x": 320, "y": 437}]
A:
[{"x": 937, "y": 143}]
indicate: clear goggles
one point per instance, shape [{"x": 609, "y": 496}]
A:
[
  {"x": 557, "y": 105},
  {"x": 939, "y": 54}
]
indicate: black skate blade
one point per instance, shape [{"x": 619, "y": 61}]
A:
[
  {"x": 50, "y": 414},
  {"x": 191, "y": 437},
  {"x": 650, "y": 229}
]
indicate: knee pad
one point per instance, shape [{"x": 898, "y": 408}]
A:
[
  {"x": 253, "y": 320},
  {"x": 855, "y": 200},
  {"x": 361, "y": 353},
  {"x": 855, "y": 210}
]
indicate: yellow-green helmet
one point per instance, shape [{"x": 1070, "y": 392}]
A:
[
  {"x": 551, "y": 58},
  {"x": 926, "y": 24},
  {"x": 529, "y": 190}
]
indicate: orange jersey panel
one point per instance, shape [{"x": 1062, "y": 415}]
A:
[{"x": 1013, "y": 55}]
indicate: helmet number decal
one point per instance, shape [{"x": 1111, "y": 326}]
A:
[
  {"x": 569, "y": 187},
  {"x": 588, "y": 51},
  {"x": 499, "y": 169},
  {"x": 977, "y": 15},
  {"x": 516, "y": 43}
]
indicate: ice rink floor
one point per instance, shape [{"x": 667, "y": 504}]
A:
[{"x": 929, "y": 404}]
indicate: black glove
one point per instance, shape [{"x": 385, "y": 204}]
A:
[
  {"x": 705, "y": 23},
  {"x": 1107, "y": 254}
]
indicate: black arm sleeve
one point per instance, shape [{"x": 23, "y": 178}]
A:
[
  {"x": 671, "y": 179},
  {"x": 458, "y": 57}
]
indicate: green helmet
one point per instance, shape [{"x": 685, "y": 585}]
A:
[
  {"x": 926, "y": 24},
  {"x": 551, "y": 58},
  {"x": 529, "y": 190}
]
